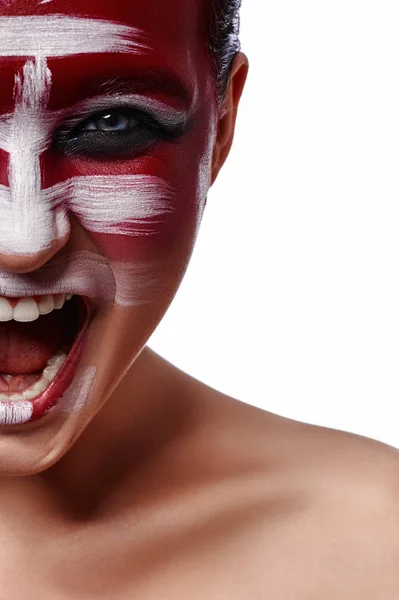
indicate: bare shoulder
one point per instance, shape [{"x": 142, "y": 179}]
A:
[
  {"x": 338, "y": 465},
  {"x": 332, "y": 454},
  {"x": 338, "y": 526},
  {"x": 330, "y": 523},
  {"x": 343, "y": 469},
  {"x": 350, "y": 525},
  {"x": 320, "y": 462},
  {"x": 290, "y": 509}
]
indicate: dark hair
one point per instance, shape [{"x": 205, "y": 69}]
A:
[{"x": 224, "y": 40}]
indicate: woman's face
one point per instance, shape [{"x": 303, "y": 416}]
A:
[{"x": 107, "y": 129}]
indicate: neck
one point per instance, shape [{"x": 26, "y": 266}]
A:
[{"x": 129, "y": 438}]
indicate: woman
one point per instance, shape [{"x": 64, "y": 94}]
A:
[{"x": 121, "y": 476}]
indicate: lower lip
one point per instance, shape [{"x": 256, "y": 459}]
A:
[{"x": 45, "y": 401}]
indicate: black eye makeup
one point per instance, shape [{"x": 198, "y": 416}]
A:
[{"x": 117, "y": 132}]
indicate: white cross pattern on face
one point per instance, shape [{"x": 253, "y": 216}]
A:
[
  {"x": 9, "y": 3},
  {"x": 32, "y": 218}
]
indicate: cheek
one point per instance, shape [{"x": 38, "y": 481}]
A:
[{"x": 144, "y": 209}]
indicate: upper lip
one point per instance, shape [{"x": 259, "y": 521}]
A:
[{"x": 81, "y": 272}]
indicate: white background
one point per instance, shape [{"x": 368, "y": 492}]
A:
[{"x": 291, "y": 301}]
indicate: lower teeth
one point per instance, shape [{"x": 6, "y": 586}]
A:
[{"x": 54, "y": 364}]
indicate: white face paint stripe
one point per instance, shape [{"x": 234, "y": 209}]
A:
[
  {"x": 116, "y": 204},
  {"x": 76, "y": 396},
  {"x": 60, "y": 35},
  {"x": 121, "y": 204},
  {"x": 33, "y": 218},
  {"x": 14, "y": 413},
  {"x": 30, "y": 232},
  {"x": 104, "y": 204},
  {"x": 5, "y": 130},
  {"x": 27, "y": 140},
  {"x": 89, "y": 274},
  {"x": 81, "y": 272},
  {"x": 137, "y": 283}
]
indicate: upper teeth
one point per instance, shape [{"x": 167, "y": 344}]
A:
[{"x": 28, "y": 309}]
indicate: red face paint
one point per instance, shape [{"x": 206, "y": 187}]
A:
[
  {"x": 176, "y": 71},
  {"x": 122, "y": 146}
]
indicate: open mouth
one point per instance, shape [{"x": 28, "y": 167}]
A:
[{"x": 38, "y": 338}]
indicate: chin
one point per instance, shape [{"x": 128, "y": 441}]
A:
[{"x": 101, "y": 344}]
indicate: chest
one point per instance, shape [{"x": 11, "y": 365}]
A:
[{"x": 245, "y": 558}]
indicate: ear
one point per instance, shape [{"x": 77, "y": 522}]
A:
[{"x": 228, "y": 113}]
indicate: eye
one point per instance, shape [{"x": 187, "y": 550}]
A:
[
  {"x": 112, "y": 121},
  {"x": 113, "y": 133}
]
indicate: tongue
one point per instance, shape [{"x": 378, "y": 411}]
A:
[{"x": 26, "y": 347}]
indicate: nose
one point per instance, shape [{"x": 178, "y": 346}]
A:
[{"x": 26, "y": 263}]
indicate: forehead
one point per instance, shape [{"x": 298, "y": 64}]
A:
[
  {"x": 166, "y": 21},
  {"x": 81, "y": 37},
  {"x": 178, "y": 18}
]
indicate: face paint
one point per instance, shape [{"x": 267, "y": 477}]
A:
[
  {"x": 76, "y": 396},
  {"x": 26, "y": 142},
  {"x": 63, "y": 275},
  {"x": 60, "y": 35},
  {"x": 15, "y": 413},
  {"x": 90, "y": 275},
  {"x": 116, "y": 204},
  {"x": 138, "y": 203},
  {"x": 147, "y": 278},
  {"x": 26, "y": 134}
]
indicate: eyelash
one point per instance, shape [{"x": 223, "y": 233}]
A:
[{"x": 77, "y": 141}]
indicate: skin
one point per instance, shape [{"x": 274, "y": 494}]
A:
[{"x": 161, "y": 487}]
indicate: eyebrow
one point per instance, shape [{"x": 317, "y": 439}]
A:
[
  {"x": 144, "y": 81},
  {"x": 62, "y": 35}
]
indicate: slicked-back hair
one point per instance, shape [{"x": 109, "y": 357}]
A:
[{"x": 224, "y": 40}]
